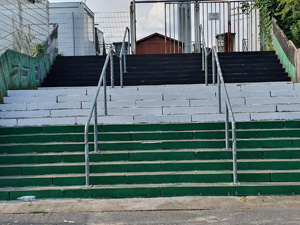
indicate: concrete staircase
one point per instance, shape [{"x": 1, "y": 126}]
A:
[
  {"x": 238, "y": 67},
  {"x": 150, "y": 160},
  {"x": 151, "y": 104}
]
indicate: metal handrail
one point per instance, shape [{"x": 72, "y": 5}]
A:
[
  {"x": 123, "y": 51},
  {"x": 228, "y": 110},
  {"x": 205, "y": 53},
  {"x": 102, "y": 81}
]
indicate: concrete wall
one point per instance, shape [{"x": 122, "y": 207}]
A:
[
  {"x": 20, "y": 71},
  {"x": 287, "y": 52}
]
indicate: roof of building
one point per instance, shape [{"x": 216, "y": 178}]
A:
[{"x": 156, "y": 35}]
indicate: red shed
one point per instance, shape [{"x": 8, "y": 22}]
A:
[{"x": 155, "y": 44}]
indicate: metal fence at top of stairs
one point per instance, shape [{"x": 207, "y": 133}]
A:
[
  {"x": 23, "y": 25},
  {"x": 221, "y": 86},
  {"x": 102, "y": 82},
  {"x": 227, "y": 24}
]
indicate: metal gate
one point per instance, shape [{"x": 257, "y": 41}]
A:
[{"x": 230, "y": 25}]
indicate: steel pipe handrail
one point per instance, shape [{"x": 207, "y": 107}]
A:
[
  {"x": 102, "y": 81},
  {"x": 123, "y": 52},
  {"x": 228, "y": 110},
  {"x": 204, "y": 52}
]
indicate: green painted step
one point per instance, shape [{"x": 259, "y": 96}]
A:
[
  {"x": 156, "y": 155},
  {"x": 149, "y": 166},
  {"x": 150, "y": 160},
  {"x": 151, "y": 178},
  {"x": 167, "y": 190},
  {"x": 149, "y": 127},
  {"x": 154, "y": 135},
  {"x": 149, "y": 145}
]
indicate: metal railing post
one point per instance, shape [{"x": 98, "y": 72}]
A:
[
  {"x": 200, "y": 38},
  {"x": 228, "y": 110},
  {"x": 203, "y": 57},
  {"x": 93, "y": 110},
  {"x": 219, "y": 92},
  {"x": 125, "y": 64},
  {"x": 227, "y": 127},
  {"x": 128, "y": 50},
  {"x": 96, "y": 128},
  {"x": 112, "y": 76},
  {"x": 213, "y": 68},
  {"x": 87, "y": 158},
  {"x": 105, "y": 94},
  {"x": 206, "y": 68},
  {"x": 234, "y": 155},
  {"x": 121, "y": 72}
]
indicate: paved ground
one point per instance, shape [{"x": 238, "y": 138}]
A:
[{"x": 154, "y": 211}]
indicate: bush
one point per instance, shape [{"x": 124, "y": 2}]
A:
[{"x": 287, "y": 13}]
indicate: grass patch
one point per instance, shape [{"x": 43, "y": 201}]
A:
[{"x": 38, "y": 212}]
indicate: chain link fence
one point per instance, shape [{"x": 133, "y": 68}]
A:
[
  {"x": 26, "y": 24},
  {"x": 23, "y": 25},
  {"x": 113, "y": 25},
  {"x": 89, "y": 34}
]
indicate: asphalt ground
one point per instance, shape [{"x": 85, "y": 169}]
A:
[{"x": 153, "y": 211}]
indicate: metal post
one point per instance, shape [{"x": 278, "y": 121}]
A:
[
  {"x": 206, "y": 68},
  {"x": 128, "y": 48},
  {"x": 134, "y": 6},
  {"x": 112, "y": 76},
  {"x": 121, "y": 72},
  {"x": 170, "y": 28},
  {"x": 96, "y": 128},
  {"x": 174, "y": 27},
  {"x": 234, "y": 155},
  {"x": 125, "y": 64},
  {"x": 200, "y": 39},
  {"x": 203, "y": 50},
  {"x": 165, "y": 28},
  {"x": 105, "y": 94},
  {"x": 73, "y": 19},
  {"x": 196, "y": 24},
  {"x": 87, "y": 159},
  {"x": 213, "y": 68},
  {"x": 226, "y": 127},
  {"x": 219, "y": 91}
]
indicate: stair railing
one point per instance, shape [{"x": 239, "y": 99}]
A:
[
  {"x": 228, "y": 110},
  {"x": 205, "y": 53},
  {"x": 123, "y": 51},
  {"x": 93, "y": 110}
]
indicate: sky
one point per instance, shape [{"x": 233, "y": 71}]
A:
[{"x": 150, "y": 17}]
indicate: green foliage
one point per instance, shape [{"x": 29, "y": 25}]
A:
[
  {"x": 39, "y": 49},
  {"x": 290, "y": 19},
  {"x": 287, "y": 13}
]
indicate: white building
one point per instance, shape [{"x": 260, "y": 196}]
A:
[{"x": 76, "y": 32}]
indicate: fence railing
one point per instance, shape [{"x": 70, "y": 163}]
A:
[
  {"x": 205, "y": 53},
  {"x": 221, "y": 85},
  {"x": 103, "y": 82},
  {"x": 228, "y": 110}
]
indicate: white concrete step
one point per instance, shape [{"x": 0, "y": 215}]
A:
[{"x": 151, "y": 104}]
